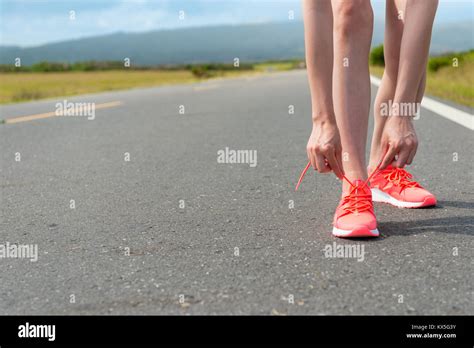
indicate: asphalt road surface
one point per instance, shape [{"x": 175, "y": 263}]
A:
[{"x": 172, "y": 231}]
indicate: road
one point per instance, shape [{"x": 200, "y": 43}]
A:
[{"x": 172, "y": 231}]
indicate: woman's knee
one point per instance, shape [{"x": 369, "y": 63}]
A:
[{"x": 352, "y": 16}]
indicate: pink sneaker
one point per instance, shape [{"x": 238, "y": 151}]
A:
[
  {"x": 394, "y": 186},
  {"x": 355, "y": 213}
]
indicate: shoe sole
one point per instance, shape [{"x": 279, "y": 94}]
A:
[
  {"x": 380, "y": 196},
  {"x": 356, "y": 232}
]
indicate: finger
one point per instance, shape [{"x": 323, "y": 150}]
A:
[
  {"x": 411, "y": 157},
  {"x": 331, "y": 157},
  {"x": 312, "y": 159},
  {"x": 389, "y": 156},
  {"x": 322, "y": 167},
  {"x": 402, "y": 158}
]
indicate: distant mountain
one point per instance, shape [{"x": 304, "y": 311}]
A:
[
  {"x": 254, "y": 42},
  {"x": 453, "y": 37}
]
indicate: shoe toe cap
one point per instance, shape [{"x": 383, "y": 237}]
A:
[
  {"x": 361, "y": 221},
  {"x": 429, "y": 200}
]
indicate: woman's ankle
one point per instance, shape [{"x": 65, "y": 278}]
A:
[
  {"x": 371, "y": 167},
  {"x": 353, "y": 175}
]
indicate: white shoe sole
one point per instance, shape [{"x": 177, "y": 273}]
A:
[
  {"x": 357, "y": 232},
  {"x": 380, "y": 196}
]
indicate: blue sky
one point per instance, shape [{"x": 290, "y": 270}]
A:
[{"x": 35, "y": 22}]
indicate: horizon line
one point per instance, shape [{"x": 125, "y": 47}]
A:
[{"x": 299, "y": 21}]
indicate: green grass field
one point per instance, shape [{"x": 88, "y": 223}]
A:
[
  {"x": 27, "y": 85},
  {"x": 24, "y": 86},
  {"x": 17, "y": 87},
  {"x": 448, "y": 82}
]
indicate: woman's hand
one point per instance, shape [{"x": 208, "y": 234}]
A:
[
  {"x": 400, "y": 141},
  {"x": 324, "y": 148}
]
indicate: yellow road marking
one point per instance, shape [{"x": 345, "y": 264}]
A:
[{"x": 53, "y": 113}]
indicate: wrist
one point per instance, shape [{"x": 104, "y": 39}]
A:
[
  {"x": 401, "y": 119},
  {"x": 323, "y": 118}
]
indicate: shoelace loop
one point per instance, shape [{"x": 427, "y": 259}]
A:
[
  {"x": 399, "y": 177},
  {"x": 357, "y": 200},
  {"x": 354, "y": 201},
  {"x": 344, "y": 177}
]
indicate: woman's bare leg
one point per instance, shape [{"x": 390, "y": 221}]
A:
[
  {"x": 395, "y": 18},
  {"x": 319, "y": 55},
  {"x": 414, "y": 49},
  {"x": 324, "y": 145},
  {"x": 353, "y": 24},
  {"x": 399, "y": 135},
  {"x": 392, "y": 41}
]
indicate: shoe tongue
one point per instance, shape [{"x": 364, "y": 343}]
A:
[{"x": 361, "y": 185}]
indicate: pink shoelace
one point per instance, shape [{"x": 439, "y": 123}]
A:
[
  {"x": 399, "y": 177},
  {"x": 356, "y": 200}
]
